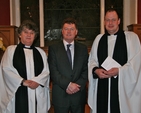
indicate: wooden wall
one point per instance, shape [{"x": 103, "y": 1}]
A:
[
  {"x": 4, "y": 12},
  {"x": 139, "y": 11}
]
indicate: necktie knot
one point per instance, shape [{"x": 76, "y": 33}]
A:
[{"x": 68, "y": 46}]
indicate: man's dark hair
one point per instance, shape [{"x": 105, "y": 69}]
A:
[
  {"x": 111, "y": 10},
  {"x": 70, "y": 21}
]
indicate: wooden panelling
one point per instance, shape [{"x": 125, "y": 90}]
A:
[
  {"x": 9, "y": 35},
  {"x": 135, "y": 28}
]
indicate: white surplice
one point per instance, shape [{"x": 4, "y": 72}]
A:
[
  {"x": 13, "y": 81},
  {"x": 129, "y": 82},
  {"x": 3, "y": 94}
]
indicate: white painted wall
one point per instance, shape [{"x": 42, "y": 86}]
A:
[
  {"x": 130, "y": 13},
  {"x": 15, "y": 12},
  {"x": 41, "y": 13}
]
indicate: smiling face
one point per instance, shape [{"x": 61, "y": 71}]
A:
[
  {"x": 69, "y": 32},
  {"x": 27, "y": 32},
  {"x": 112, "y": 22},
  {"x": 27, "y": 36}
]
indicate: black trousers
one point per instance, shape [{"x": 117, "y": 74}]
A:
[{"x": 70, "y": 109}]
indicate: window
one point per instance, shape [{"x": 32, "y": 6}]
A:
[{"x": 86, "y": 12}]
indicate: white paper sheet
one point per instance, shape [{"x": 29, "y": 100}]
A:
[{"x": 110, "y": 63}]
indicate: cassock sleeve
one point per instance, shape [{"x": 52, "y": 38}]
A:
[{"x": 130, "y": 77}]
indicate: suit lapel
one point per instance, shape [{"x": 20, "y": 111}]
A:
[
  {"x": 63, "y": 54},
  {"x": 76, "y": 56}
]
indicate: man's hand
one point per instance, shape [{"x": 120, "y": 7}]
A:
[
  {"x": 31, "y": 84},
  {"x": 106, "y": 74},
  {"x": 73, "y": 88},
  {"x": 101, "y": 73},
  {"x": 113, "y": 72}
]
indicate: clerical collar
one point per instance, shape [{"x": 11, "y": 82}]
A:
[
  {"x": 27, "y": 46},
  {"x": 112, "y": 34}
]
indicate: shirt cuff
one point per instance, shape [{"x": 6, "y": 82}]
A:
[
  {"x": 68, "y": 85},
  {"x": 95, "y": 76},
  {"x": 22, "y": 82}
]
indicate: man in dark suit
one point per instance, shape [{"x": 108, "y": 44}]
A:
[{"x": 69, "y": 73}]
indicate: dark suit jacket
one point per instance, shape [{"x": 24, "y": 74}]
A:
[{"x": 62, "y": 74}]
